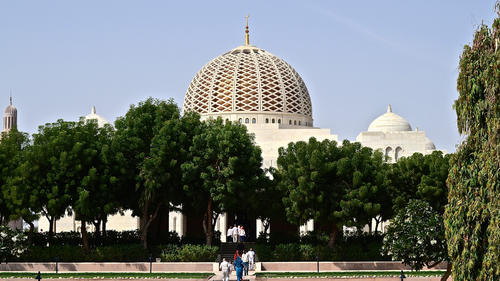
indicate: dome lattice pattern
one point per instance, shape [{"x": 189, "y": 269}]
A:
[{"x": 248, "y": 79}]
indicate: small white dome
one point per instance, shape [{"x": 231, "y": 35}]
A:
[
  {"x": 430, "y": 145},
  {"x": 93, "y": 115},
  {"x": 389, "y": 122},
  {"x": 10, "y": 109}
]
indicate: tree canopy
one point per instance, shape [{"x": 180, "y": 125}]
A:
[
  {"x": 224, "y": 168},
  {"x": 416, "y": 236},
  {"x": 137, "y": 134},
  {"x": 472, "y": 216},
  {"x": 334, "y": 185}
]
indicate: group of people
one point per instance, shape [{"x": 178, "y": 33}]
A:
[
  {"x": 241, "y": 264},
  {"x": 236, "y": 233}
]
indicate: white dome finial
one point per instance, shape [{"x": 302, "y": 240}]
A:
[
  {"x": 93, "y": 110},
  {"x": 389, "y": 108}
]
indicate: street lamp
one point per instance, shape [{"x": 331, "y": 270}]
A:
[
  {"x": 38, "y": 276},
  {"x": 150, "y": 263}
]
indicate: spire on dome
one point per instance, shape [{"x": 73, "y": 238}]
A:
[
  {"x": 93, "y": 110},
  {"x": 389, "y": 108},
  {"x": 247, "y": 35},
  {"x": 10, "y": 96}
]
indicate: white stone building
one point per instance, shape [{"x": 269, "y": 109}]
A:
[
  {"x": 256, "y": 88},
  {"x": 260, "y": 90},
  {"x": 393, "y": 135}
]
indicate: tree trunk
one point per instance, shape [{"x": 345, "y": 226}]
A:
[
  {"x": 207, "y": 223},
  {"x": 104, "y": 220},
  {"x": 51, "y": 226},
  {"x": 333, "y": 236},
  {"x": 370, "y": 227},
  {"x": 97, "y": 232},
  {"x": 377, "y": 222},
  {"x": 146, "y": 222},
  {"x": 83, "y": 230},
  {"x": 31, "y": 231},
  {"x": 447, "y": 273}
]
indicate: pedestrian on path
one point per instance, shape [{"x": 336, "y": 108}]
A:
[
  {"x": 244, "y": 258},
  {"x": 235, "y": 234},
  {"x": 251, "y": 259},
  {"x": 238, "y": 266},
  {"x": 242, "y": 234},
  {"x": 226, "y": 269},
  {"x": 229, "y": 234}
]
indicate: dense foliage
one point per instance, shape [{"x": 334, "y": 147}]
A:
[
  {"x": 189, "y": 253},
  {"x": 12, "y": 243},
  {"x": 359, "y": 247},
  {"x": 472, "y": 215},
  {"x": 223, "y": 172},
  {"x": 416, "y": 236},
  {"x": 334, "y": 185},
  {"x": 157, "y": 160}
]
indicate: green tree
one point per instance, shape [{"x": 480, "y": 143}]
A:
[
  {"x": 48, "y": 170},
  {"x": 161, "y": 172},
  {"x": 420, "y": 177},
  {"x": 416, "y": 237},
  {"x": 95, "y": 194},
  {"x": 472, "y": 216},
  {"x": 334, "y": 185},
  {"x": 12, "y": 146},
  {"x": 225, "y": 168},
  {"x": 132, "y": 144}
]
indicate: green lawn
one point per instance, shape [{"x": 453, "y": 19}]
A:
[
  {"x": 181, "y": 275},
  {"x": 349, "y": 274}
]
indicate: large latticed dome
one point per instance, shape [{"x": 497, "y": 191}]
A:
[{"x": 249, "y": 80}]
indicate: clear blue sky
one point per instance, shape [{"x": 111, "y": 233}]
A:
[{"x": 61, "y": 57}]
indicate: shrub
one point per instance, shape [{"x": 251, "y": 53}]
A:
[
  {"x": 13, "y": 243},
  {"x": 263, "y": 252},
  {"x": 189, "y": 253}
]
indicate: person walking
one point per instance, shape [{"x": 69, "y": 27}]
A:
[
  {"x": 242, "y": 234},
  {"x": 238, "y": 266},
  {"x": 236, "y": 255},
  {"x": 229, "y": 234},
  {"x": 251, "y": 259},
  {"x": 226, "y": 269},
  {"x": 235, "y": 234},
  {"x": 244, "y": 259}
]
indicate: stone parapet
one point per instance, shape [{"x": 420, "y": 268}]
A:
[
  {"x": 338, "y": 266},
  {"x": 110, "y": 267}
]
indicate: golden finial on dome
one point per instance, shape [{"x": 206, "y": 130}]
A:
[{"x": 247, "y": 36}]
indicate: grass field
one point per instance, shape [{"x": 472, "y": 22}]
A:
[
  {"x": 349, "y": 274},
  {"x": 89, "y": 275}
]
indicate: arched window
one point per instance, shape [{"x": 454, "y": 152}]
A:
[
  {"x": 388, "y": 152},
  {"x": 397, "y": 154},
  {"x": 299, "y": 122},
  {"x": 174, "y": 224},
  {"x": 267, "y": 120},
  {"x": 240, "y": 120},
  {"x": 227, "y": 120},
  {"x": 272, "y": 120},
  {"x": 247, "y": 120},
  {"x": 279, "y": 121},
  {"x": 289, "y": 122},
  {"x": 295, "y": 122},
  {"x": 254, "y": 120}
]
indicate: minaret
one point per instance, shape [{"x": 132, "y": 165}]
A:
[{"x": 10, "y": 117}]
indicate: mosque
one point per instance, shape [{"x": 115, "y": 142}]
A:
[{"x": 252, "y": 86}]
